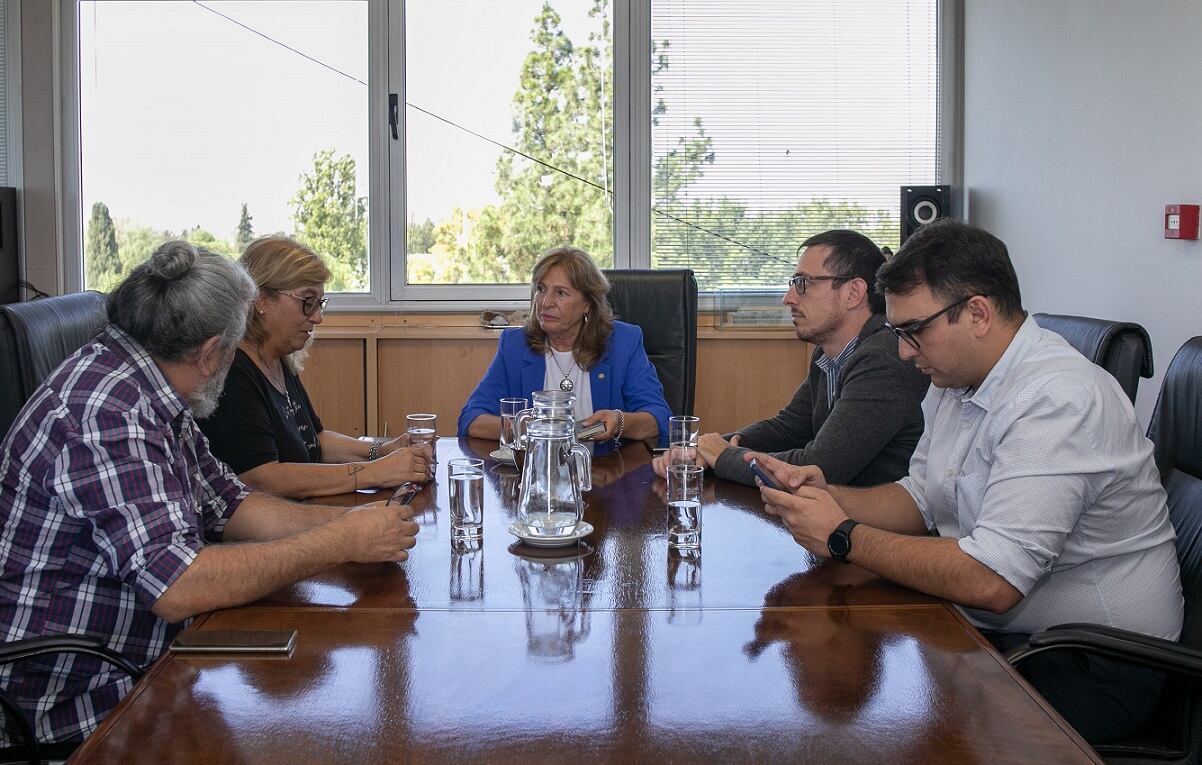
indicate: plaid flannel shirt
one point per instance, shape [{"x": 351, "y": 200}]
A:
[{"x": 107, "y": 493}]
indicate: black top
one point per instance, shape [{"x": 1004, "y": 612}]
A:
[{"x": 255, "y": 424}]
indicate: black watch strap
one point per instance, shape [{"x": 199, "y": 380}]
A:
[{"x": 838, "y": 544}]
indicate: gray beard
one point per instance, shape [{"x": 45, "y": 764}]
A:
[{"x": 205, "y": 398}]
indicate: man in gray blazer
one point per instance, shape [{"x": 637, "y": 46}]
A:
[{"x": 858, "y": 414}]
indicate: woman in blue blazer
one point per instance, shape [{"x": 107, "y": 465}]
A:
[{"x": 572, "y": 342}]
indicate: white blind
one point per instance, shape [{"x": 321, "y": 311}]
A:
[{"x": 776, "y": 119}]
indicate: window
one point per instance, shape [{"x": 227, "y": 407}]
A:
[
  {"x": 509, "y": 136},
  {"x": 772, "y": 126},
  {"x": 482, "y": 133},
  {"x": 222, "y": 121}
]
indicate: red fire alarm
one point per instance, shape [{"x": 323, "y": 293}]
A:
[{"x": 1181, "y": 221}]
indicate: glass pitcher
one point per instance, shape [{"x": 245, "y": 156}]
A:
[
  {"x": 548, "y": 404},
  {"x": 557, "y": 470}
]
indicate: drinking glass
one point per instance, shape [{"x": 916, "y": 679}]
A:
[
  {"x": 682, "y": 439},
  {"x": 467, "y": 499},
  {"x": 509, "y": 414},
  {"x": 423, "y": 429},
  {"x": 684, "y": 506}
]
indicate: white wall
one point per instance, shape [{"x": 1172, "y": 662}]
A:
[{"x": 1082, "y": 120}]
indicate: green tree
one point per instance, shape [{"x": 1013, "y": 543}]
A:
[
  {"x": 419, "y": 237},
  {"x": 329, "y": 216},
  {"x": 245, "y": 233},
  {"x": 102, "y": 264}
]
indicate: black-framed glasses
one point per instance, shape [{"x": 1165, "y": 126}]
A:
[
  {"x": 310, "y": 304},
  {"x": 798, "y": 281},
  {"x": 909, "y": 331}
]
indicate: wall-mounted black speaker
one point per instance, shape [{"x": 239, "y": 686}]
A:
[
  {"x": 922, "y": 204},
  {"x": 9, "y": 290}
]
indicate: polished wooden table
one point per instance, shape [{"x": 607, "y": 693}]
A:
[{"x": 615, "y": 650}]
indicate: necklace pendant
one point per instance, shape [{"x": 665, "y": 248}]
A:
[{"x": 565, "y": 385}]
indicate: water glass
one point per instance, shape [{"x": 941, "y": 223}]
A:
[
  {"x": 509, "y": 414},
  {"x": 684, "y": 506},
  {"x": 422, "y": 429},
  {"x": 467, "y": 499},
  {"x": 682, "y": 439}
]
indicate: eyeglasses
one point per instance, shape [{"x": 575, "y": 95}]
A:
[
  {"x": 310, "y": 304},
  {"x": 909, "y": 331},
  {"x": 798, "y": 281}
]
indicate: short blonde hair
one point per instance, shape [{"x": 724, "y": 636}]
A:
[
  {"x": 280, "y": 263},
  {"x": 584, "y": 276}
]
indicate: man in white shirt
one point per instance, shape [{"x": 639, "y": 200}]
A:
[{"x": 1032, "y": 498}]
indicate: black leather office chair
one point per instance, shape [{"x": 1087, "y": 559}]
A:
[
  {"x": 664, "y": 305},
  {"x": 1121, "y": 348},
  {"x": 35, "y": 337},
  {"x": 1175, "y": 733},
  {"x": 25, "y": 746}
]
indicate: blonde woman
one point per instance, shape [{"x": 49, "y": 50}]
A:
[{"x": 265, "y": 428}]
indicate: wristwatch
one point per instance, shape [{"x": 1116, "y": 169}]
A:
[{"x": 839, "y": 542}]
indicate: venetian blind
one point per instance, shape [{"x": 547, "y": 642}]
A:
[{"x": 773, "y": 120}]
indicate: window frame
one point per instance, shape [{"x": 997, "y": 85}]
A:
[{"x": 389, "y": 291}]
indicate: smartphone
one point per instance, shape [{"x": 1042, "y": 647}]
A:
[
  {"x": 234, "y": 641},
  {"x": 588, "y": 431},
  {"x": 762, "y": 474}
]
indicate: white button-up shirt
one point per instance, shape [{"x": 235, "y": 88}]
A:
[{"x": 1044, "y": 476}]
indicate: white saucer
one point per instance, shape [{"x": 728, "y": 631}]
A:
[
  {"x": 503, "y": 455},
  {"x": 583, "y": 529}
]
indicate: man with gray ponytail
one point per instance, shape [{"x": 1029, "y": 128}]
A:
[{"x": 111, "y": 505}]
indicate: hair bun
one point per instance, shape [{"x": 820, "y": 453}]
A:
[{"x": 172, "y": 260}]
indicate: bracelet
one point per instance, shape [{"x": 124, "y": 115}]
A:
[
  {"x": 621, "y": 427},
  {"x": 374, "y": 452}
]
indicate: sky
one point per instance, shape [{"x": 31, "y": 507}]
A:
[{"x": 185, "y": 114}]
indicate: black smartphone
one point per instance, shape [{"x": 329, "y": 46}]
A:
[
  {"x": 588, "y": 431},
  {"x": 234, "y": 641},
  {"x": 762, "y": 474}
]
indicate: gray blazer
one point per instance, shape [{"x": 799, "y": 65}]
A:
[{"x": 863, "y": 438}]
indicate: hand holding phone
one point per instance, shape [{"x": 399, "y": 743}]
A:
[{"x": 762, "y": 474}]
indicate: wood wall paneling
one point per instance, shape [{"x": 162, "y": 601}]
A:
[
  {"x": 429, "y": 375},
  {"x": 335, "y": 379},
  {"x": 740, "y": 380}
]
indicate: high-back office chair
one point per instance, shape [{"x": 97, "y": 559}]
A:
[
  {"x": 664, "y": 305},
  {"x": 24, "y": 744},
  {"x": 1121, "y": 348},
  {"x": 35, "y": 337},
  {"x": 1175, "y": 733}
]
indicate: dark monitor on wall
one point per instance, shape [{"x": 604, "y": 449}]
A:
[{"x": 9, "y": 284}]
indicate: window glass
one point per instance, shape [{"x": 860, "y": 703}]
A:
[
  {"x": 509, "y": 136},
  {"x": 781, "y": 119},
  {"x": 222, "y": 121}
]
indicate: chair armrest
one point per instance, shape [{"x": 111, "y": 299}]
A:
[
  {"x": 1114, "y": 643},
  {"x": 27, "y": 648}
]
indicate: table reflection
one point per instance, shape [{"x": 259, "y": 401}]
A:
[
  {"x": 684, "y": 586},
  {"x": 552, "y": 583},
  {"x": 467, "y": 570}
]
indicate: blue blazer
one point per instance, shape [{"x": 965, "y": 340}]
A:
[{"x": 623, "y": 378}]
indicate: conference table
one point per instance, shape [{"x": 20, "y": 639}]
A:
[{"x": 614, "y": 649}]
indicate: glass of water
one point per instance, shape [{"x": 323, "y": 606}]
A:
[
  {"x": 422, "y": 429},
  {"x": 467, "y": 499},
  {"x": 682, "y": 439},
  {"x": 684, "y": 506},
  {"x": 509, "y": 414}
]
